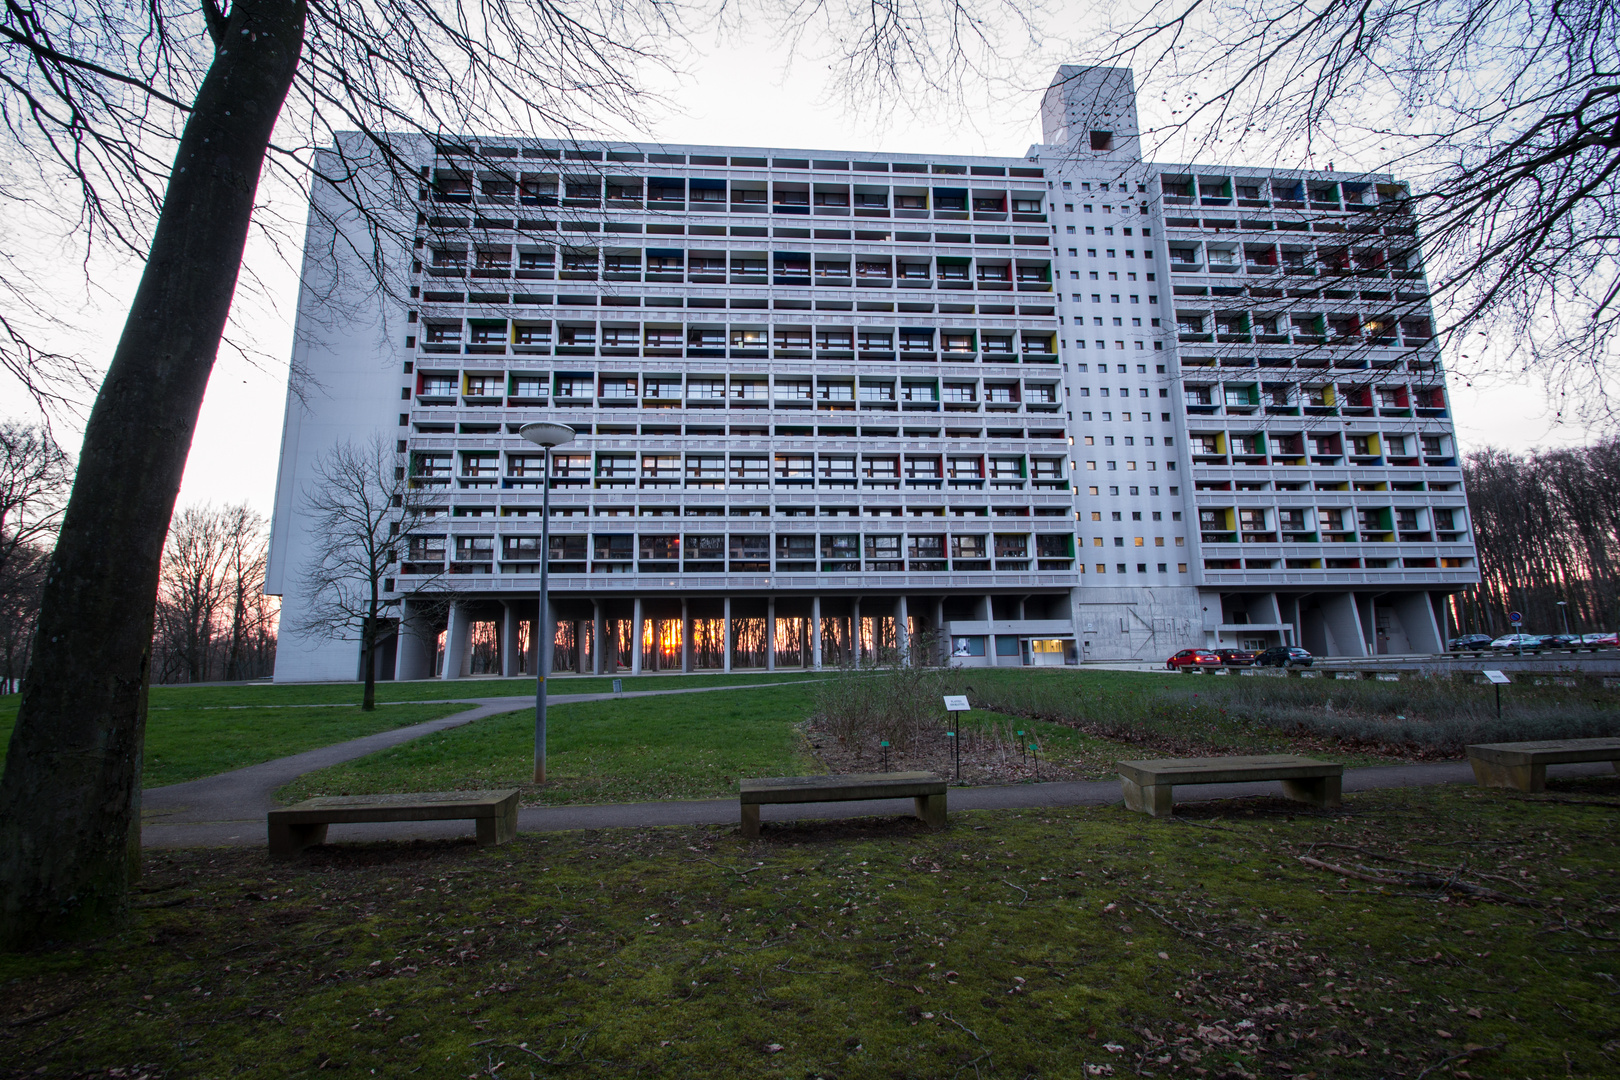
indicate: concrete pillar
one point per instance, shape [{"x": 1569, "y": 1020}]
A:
[
  {"x": 725, "y": 633},
  {"x": 855, "y": 629},
  {"x": 902, "y": 638},
  {"x": 1416, "y": 614},
  {"x": 942, "y": 634},
  {"x": 414, "y": 657},
  {"x": 509, "y": 640},
  {"x": 1288, "y": 614},
  {"x": 990, "y": 655},
  {"x": 635, "y": 638},
  {"x": 815, "y": 632},
  {"x": 1342, "y": 622},
  {"x": 457, "y": 642},
  {"x": 598, "y": 649},
  {"x": 770, "y": 633},
  {"x": 686, "y": 636}
]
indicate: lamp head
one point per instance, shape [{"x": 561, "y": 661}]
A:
[{"x": 547, "y": 433}]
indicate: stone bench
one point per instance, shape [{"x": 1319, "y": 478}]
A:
[
  {"x": 1523, "y": 765},
  {"x": 1148, "y": 784},
  {"x": 494, "y": 814},
  {"x": 925, "y": 789}
]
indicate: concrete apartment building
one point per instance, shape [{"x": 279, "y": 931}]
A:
[{"x": 1036, "y": 410}]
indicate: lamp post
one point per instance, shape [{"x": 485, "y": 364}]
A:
[
  {"x": 547, "y": 435},
  {"x": 1563, "y": 615}
]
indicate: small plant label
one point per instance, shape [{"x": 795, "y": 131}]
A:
[
  {"x": 956, "y": 703},
  {"x": 1497, "y": 677}
]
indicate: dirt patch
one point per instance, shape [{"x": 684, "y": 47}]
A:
[{"x": 985, "y": 757}]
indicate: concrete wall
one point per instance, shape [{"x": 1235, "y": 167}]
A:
[
  {"x": 1144, "y": 623},
  {"x": 347, "y": 358}
]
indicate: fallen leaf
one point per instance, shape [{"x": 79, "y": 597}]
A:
[
  {"x": 773, "y": 1048},
  {"x": 1442, "y": 1034}
]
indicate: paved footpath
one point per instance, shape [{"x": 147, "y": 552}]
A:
[{"x": 229, "y": 810}]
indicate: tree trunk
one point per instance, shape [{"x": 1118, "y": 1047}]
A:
[
  {"x": 368, "y": 645},
  {"x": 233, "y": 655},
  {"x": 70, "y": 795},
  {"x": 368, "y": 662}
]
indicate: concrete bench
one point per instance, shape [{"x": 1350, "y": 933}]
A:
[
  {"x": 494, "y": 814},
  {"x": 1148, "y": 784},
  {"x": 925, "y": 789},
  {"x": 1523, "y": 765}
]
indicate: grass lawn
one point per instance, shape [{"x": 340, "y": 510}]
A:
[
  {"x": 185, "y": 743},
  {"x": 698, "y": 746},
  {"x": 1067, "y": 943},
  {"x": 626, "y": 750},
  {"x": 441, "y": 690}
]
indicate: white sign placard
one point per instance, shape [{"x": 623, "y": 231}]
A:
[
  {"x": 956, "y": 703},
  {"x": 1497, "y": 677}
]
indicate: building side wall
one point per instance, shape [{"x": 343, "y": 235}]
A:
[{"x": 347, "y": 353}]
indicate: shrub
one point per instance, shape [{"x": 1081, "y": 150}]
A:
[{"x": 1435, "y": 715}]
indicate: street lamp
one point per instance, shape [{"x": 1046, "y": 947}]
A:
[
  {"x": 547, "y": 435},
  {"x": 1563, "y": 615}
]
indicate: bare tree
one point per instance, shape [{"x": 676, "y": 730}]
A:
[
  {"x": 35, "y": 475},
  {"x": 251, "y": 611},
  {"x": 34, "y": 478},
  {"x": 20, "y": 582},
  {"x": 363, "y": 511},
  {"x": 208, "y": 594},
  {"x": 191, "y": 588},
  {"x": 1504, "y": 114}
]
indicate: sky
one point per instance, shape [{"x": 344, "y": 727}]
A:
[{"x": 743, "y": 91}]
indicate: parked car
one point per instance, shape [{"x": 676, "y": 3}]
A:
[
  {"x": 1236, "y": 657},
  {"x": 1518, "y": 641},
  {"x": 1563, "y": 641},
  {"x": 1469, "y": 641},
  {"x": 1192, "y": 658},
  {"x": 1599, "y": 639},
  {"x": 1284, "y": 656}
]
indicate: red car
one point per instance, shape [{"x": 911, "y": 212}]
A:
[
  {"x": 1236, "y": 657},
  {"x": 1192, "y": 658}
]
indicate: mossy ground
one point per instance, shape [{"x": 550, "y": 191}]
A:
[{"x": 1060, "y": 943}]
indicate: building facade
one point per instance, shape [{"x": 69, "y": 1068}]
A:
[{"x": 1037, "y": 410}]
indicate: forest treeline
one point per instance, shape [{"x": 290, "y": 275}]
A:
[
  {"x": 213, "y": 619},
  {"x": 1547, "y": 526}
]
